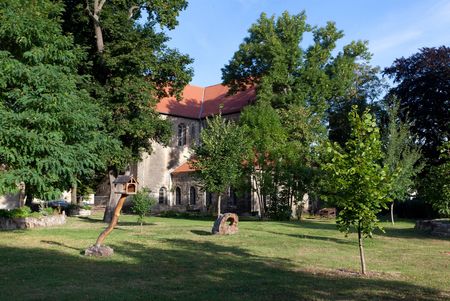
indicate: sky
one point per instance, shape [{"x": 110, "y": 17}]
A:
[{"x": 210, "y": 31}]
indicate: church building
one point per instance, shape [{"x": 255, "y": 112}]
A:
[{"x": 166, "y": 171}]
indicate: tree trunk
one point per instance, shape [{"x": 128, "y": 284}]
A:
[
  {"x": 29, "y": 197},
  {"x": 113, "y": 222},
  {"x": 112, "y": 201},
  {"x": 22, "y": 194},
  {"x": 361, "y": 250},
  {"x": 392, "y": 213},
  {"x": 73, "y": 194},
  {"x": 95, "y": 16},
  {"x": 98, "y": 34},
  {"x": 219, "y": 198}
]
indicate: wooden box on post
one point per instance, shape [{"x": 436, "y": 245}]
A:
[{"x": 125, "y": 185}]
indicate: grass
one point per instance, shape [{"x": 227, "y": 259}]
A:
[{"x": 177, "y": 259}]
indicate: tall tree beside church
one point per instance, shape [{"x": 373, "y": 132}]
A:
[
  {"x": 222, "y": 150},
  {"x": 132, "y": 68},
  {"x": 49, "y": 130},
  {"x": 298, "y": 81},
  {"x": 262, "y": 125}
]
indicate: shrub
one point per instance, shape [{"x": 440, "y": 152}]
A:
[
  {"x": 280, "y": 211},
  {"x": 48, "y": 211},
  {"x": 142, "y": 203},
  {"x": 24, "y": 211}
]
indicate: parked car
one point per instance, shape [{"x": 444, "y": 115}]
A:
[{"x": 58, "y": 204}]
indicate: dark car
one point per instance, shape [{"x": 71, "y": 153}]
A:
[{"x": 58, "y": 204}]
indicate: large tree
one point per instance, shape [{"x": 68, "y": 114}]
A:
[
  {"x": 272, "y": 59},
  {"x": 262, "y": 125},
  {"x": 357, "y": 184},
  {"x": 300, "y": 83},
  {"x": 131, "y": 66},
  {"x": 50, "y": 133},
  {"x": 423, "y": 89}
]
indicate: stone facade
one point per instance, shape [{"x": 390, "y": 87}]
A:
[{"x": 180, "y": 191}]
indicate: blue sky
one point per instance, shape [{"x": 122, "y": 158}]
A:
[{"x": 210, "y": 31}]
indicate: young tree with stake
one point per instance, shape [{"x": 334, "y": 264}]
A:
[{"x": 357, "y": 183}]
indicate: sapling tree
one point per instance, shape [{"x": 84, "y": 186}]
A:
[
  {"x": 357, "y": 183},
  {"x": 220, "y": 155},
  {"x": 142, "y": 204},
  {"x": 401, "y": 157}
]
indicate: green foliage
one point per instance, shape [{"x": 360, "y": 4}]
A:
[
  {"x": 357, "y": 184},
  {"x": 135, "y": 69},
  {"x": 142, "y": 204},
  {"x": 48, "y": 211},
  {"x": 296, "y": 88},
  {"x": 21, "y": 212},
  {"x": 279, "y": 209},
  {"x": 219, "y": 157},
  {"x": 436, "y": 186},
  {"x": 423, "y": 91},
  {"x": 50, "y": 132},
  {"x": 285, "y": 73},
  {"x": 401, "y": 156},
  {"x": 367, "y": 87}
]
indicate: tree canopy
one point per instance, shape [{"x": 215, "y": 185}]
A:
[
  {"x": 219, "y": 155},
  {"x": 297, "y": 86},
  {"x": 132, "y": 68},
  {"x": 423, "y": 89},
  {"x": 50, "y": 132}
]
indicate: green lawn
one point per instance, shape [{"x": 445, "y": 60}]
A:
[{"x": 177, "y": 259}]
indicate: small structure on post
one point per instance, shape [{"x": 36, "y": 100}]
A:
[
  {"x": 125, "y": 186},
  {"x": 226, "y": 223}
]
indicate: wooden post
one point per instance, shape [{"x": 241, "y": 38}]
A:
[{"x": 113, "y": 222}]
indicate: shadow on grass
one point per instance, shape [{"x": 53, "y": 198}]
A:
[
  {"x": 55, "y": 243},
  {"x": 201, "y": 232},
  {"x": 184, "y": 270},
  {"x": 322, "y": 238},
  {"x": 120, "y": 223},
  {"x": 317, "y": 224}
]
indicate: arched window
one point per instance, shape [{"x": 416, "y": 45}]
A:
[
  {"x": 178, "y": 196},
  {"x": 162, "y": 195},
  {"x": 193, "y": 133},
  {"x": 208, "y": 198},
  {"x": 192, "y": 195},
  {"x": 181, "y": 134}
]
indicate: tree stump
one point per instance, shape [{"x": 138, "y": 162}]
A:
[{"x": 226, "y": 224}]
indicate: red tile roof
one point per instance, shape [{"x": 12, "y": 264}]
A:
[
  {"x": 185, "y": 167},
  {"x": 198, "y": 102}
]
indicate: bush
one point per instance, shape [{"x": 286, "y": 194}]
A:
[
  {"x": 48, "y": 211},
  {"x": 279, "y": 210},
  {"x": 21, "y": 212},
  {"x": 142, "y": 203}
]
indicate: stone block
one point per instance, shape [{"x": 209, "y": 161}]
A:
[{"x": 225, "y": 224}]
